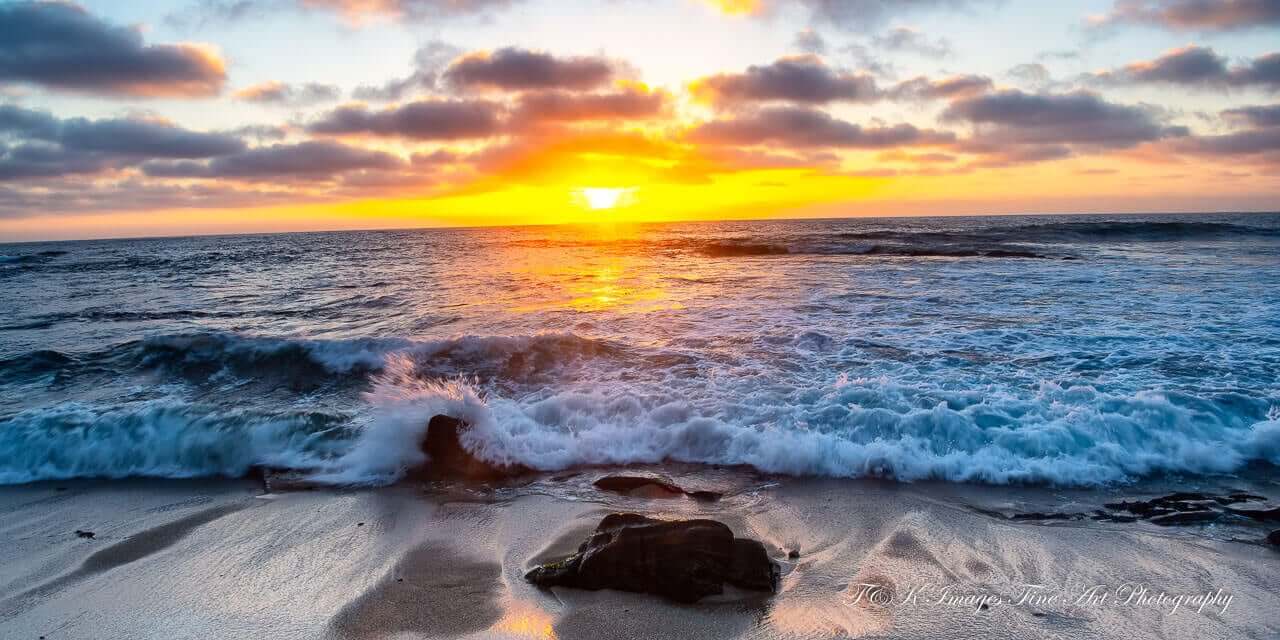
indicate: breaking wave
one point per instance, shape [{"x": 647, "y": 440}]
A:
[{"x": 1070, "y": 436}]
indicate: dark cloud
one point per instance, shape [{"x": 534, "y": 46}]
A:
[
  {"x": 283, "y": 94},
  {"x": 1196, "y": 66},
  {"x": 42, "y": 160},
  {"x": 1251, "y": 142},
  {"x": 1197, "y": 15},
  {"x": 998, "y": 157},
  {"x": 307, "y": 160},
  {"x": 61, "y": 46},
  {"x": 122, "y": 136},
  {"x": 801, "y": 127},
  {"x": 1083, "y": 118},
  {"x": 43, "y": 146},
  {"x": 944, "y": 88},
  {"x": 908, "y": 40},
  {"x": 422, "y": 120},
  {"x": 629, "y": 103},
  {"x": 804, "y": 79},
  {"x": 427, "y": 63},
  {"x": 1258, "y": 116},
  {"x": 514, "y": 69}
]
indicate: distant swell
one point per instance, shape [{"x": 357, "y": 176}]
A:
[{"x": 206, "y": 354}]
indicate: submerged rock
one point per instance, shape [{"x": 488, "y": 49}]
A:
[
  {"x": 1274, "y": 538},
  {"x": 448, "y": 459},
  {"x": 682, "y": 560},
  {"x": 645, "y": 486},
  {"x": 651, "y": 487}
]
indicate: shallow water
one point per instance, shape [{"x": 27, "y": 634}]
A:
[{"x": 1067, "y": 350}]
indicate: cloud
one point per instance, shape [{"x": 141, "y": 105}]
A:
[
  {"x": 1195, "y": 66},
  {"x": 1193, "y": 15},
  {"x": 427, "y": 63},
  {"x": 202, "y": 14},
  {"x": 1253, "y": 142},
  {"x": 628, "y": 103},
  {"x": 1031, "y": 73},
  {"x": 803, "y": 79},
  {"x": 866, "y": 15},
  {"x": 908, "y": 40},
  {"x": 61, "y": 46},
  {"x": 802, "y": 127},
  {"x": 422, "y": 120},
  {"x": 811, "y": 42},
  {"x": 133, "y": 195},
  {"x": 280, "y": 93},
  {"x": 514, "y": 69},
  {"x": 1012, "y": 117},
  {"x": 306, "y": 160},
  {"x": 45, "y": 146},
  {"x": 1258, "y": 116},
  {"x": 120, "y": 136},
  {"x": 923, "y": 88}
]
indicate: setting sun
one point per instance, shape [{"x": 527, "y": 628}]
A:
[{"x": 597, "y": 199}]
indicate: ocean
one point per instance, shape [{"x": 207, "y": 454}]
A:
[{"x": 1057, "y": 350}]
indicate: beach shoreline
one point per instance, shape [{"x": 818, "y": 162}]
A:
[{"x": 225, "y": 558}]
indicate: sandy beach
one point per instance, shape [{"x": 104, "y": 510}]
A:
[{"x": 226, "y": 559}]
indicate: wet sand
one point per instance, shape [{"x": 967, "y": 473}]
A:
[{"x": 223, "y": 559}]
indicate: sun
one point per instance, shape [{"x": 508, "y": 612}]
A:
[{"x": 600, "y": 198}]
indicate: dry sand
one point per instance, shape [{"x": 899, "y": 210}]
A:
[{"x": 221, "y": 559}]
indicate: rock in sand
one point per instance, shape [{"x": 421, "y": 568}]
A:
[{"x": 682, "y": 560}]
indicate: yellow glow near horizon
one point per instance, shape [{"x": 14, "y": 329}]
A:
[{"x": 601, "y": 198}]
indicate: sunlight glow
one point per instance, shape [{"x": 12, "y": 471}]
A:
[{"x": 597, "y": 198}]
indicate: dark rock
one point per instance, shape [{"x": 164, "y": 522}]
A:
[
  {"x": 1262, "y": 513},
  {"x": 448, "y": 459},
  {"x": 705, "y": 496},
  {"x": 683, "y": 560},
  {"x": 1164, "y": 505},
  {"x": 643, "y": 486},
  {"x": 1274, "y": 538},
  {"x": 1185, "y": 517},
  {"x": 359, "y": 524},
  {"x": 794, "y": 554},
  {"x": 1241, "y": 496},
  {"x": 88, "y": 535}
]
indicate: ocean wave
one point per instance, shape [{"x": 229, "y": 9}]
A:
[
  {"x": 1061, "y": 436},
  {"x": 201, "y": 355},
  {"x": 1073, "y": 436},
  {"x": 164, "y": 438}
]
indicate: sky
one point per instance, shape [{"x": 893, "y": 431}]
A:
[{"x": 178, "y": 117}]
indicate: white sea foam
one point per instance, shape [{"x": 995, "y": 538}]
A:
[{"x": 1065, "y": 436}]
